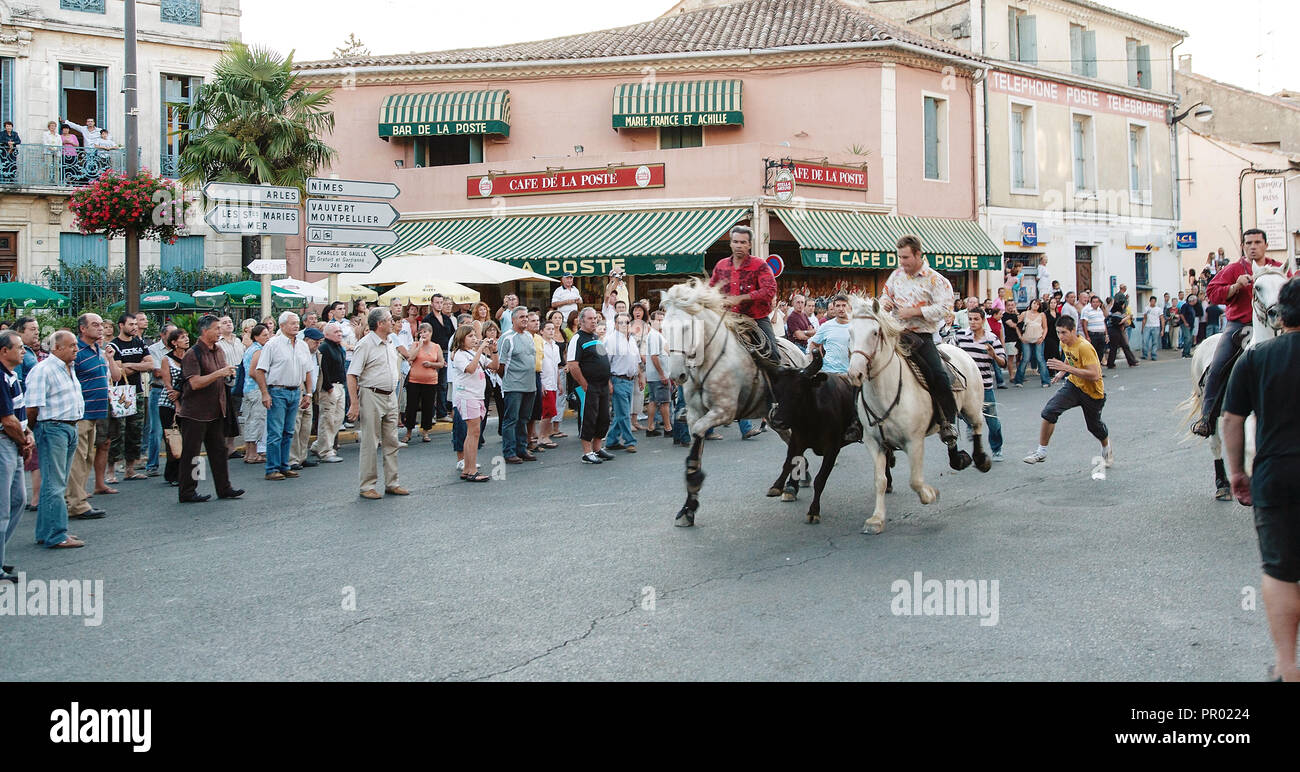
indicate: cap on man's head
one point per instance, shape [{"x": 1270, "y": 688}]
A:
[
  {"x": 567, "y": 275},
  {"x": 311, "y": 333}
]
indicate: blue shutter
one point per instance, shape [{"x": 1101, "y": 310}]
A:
[
  {"x": 931, "y": 139},
  {"x": 101, "y": 97},
  {"x": 1017, "y": 148},
  {"x": 1076, "y": 50},
  {"x": 1027, "y": 29},
  {"x": 186, "y": 254},
  {"x": 1090, "y": 53},
  {"x": 79, "y": 249},
  {"x": 1130, "y": 51},
  {"x": 1144, "y": 66}
]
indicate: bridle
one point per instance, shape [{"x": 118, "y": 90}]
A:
[
  {"x": 692, "y": 356},
  {"x": 874, "y": 420},
  {"x": 1266, "y": 315}
]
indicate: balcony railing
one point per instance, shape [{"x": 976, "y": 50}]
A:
[
  {"x": 37, "y": 166},
  {"x": 169, "y": 165}
]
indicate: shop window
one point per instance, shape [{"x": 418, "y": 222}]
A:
[
  {"x": 449, "y": 150},
  {"x": 674, "y": 137}
]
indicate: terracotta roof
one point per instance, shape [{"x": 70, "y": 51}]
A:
[{"x": 749, "y": 24}]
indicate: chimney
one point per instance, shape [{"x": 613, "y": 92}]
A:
[{"x": 1185, "y": 64}]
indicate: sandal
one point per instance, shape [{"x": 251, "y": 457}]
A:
[
  {"x": 555, "y": 435},
  {"x": 136, "y": 476},
  {"x": 477, "y": 477},
  {"x": 105, "y": 491},
  {"x": 547, "y": 445}
]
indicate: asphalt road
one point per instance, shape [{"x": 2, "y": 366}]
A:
[{"x": 564, "y": 571}]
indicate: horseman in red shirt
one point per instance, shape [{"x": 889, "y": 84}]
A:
[
  {"x": 1231, "y": 287},
  {"x": 748, "y": 285}
]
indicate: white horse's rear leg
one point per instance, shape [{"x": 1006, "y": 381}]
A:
[{"x": 876, "y": 523}]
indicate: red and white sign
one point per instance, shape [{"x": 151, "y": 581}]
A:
[
  {"x": 831, "y": 176},
  {"x": 566, "y": 181},
  {"x": 1041, "y": 90},
  {"x": 776, "y": 264}
]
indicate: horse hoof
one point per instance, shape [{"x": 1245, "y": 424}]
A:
[
  {"x": 773, "y": 492},
  {"x": 1223, "y": 494},
  {"x": 889, "y": 488},
  {"x": 984, "y": 463},
  {"x": 789, "y": 495},
  {"x": 959, "y": 460},
  {"x": 814, "y": 519},
  {"x": 685, "y": 518},
  {"x": 873, "y": 526}
]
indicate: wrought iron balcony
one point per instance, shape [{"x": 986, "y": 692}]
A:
[
  {"x": 37, "y": 166},
  {"x": 169, "y": 165},
  {"x": 88, "y": 6}
]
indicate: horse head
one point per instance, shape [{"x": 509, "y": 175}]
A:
[
  {"x": 871, "y": 332},
  {"x": 1268, "y": 286}
]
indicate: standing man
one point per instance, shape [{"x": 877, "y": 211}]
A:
[
  {"x": 280, "y": 377},
  {"x": 656, "y": 376},
  {"x": 624, "y": 369},
  {"x": 798, "y": 328},
  {"x": 372, "y": 382},
  {"x": 233, "y": 349},
  {"x": 1152, "y": 318},
  {"x": 444, "y": 326},
  {"x": 566, "y": 297},
  {"x": 94, "y": 366},
  {"x": 29, "y": 330},
  {"x": 505, "y": 314},
  {"x": 1044, "y": 281},
  {"x": 130, "y": 352},
  {"x": 832, "y": 338},
  {"x": 1070, "y": 308},
  {"x": 539, "y": 354},
  {"x": 922, "y": 299},
  {"x": 987, "y": 351},
  {"x": 1232, "y": 287},
  {"x": 153, "y": 425},
  {"x": 1262, "y": 383},
  {"x": 302, "y": 434},
  {"x": 254, "y": 432},
  {"x": 1189, "y": 312},
  {"x": 1117, "y": 324},
  {"x": 201, "y": 415},
  {"x": 518, "y": 358},
  {"x": 89, "y": 133},
  {"x": 748, "y": 286},
  {"x": 55, "y": 408},
  {"x": 17, "y": 445},
  {"x": 1084, "y": 390},
  {"x": 589, "y": 369},
  {"x": 1092, "y": 321},
  {"x": 330, "y": 399}
]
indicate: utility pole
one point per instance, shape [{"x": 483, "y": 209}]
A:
[{"x": 132, "y": 150}]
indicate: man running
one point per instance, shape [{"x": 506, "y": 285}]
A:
[
  {"x": 1231, "y": 287},
  {"x": 1084, "y": 390},
  {"x": 748, "y": 285},
  {"x": 922, "y": 300}
]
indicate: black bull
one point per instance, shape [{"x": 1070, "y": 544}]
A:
[{"x": 818, "y": 411}]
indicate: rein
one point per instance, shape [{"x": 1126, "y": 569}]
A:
[
  {"x": 873, "y": 420},
  {"x": 691, "y": 368}
]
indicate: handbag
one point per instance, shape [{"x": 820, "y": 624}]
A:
[
  {"x": 121, "y": 399},
  {"x": 173, "y": 437}
]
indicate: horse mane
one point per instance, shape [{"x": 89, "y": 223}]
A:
[
  {"x": 890, "y": 327},
  {"x": 692, "y": 297}
]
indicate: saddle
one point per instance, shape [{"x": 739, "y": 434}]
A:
[
  {"x": 955, "y": 376},
  {"x": 755, "y": 343}
]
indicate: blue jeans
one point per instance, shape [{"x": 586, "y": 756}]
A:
[
  {"x": 153, "y": 432},
  {"x": 1211, "y": 329},
  {"x": 1032, "y": 351},
  {"x": 1186, "y": 339},
  {"x": 620, "y": 427},
  {"x": 281, "y": 418},
  {"x": 514, "y": 424},
  {"x": 1150, "y": 341},
  {"x": 681, "y": 432},
  {"x": 12, "y": 483},
  {"x": 991, "y": 420},
  {"x": 56, "y": 443}
]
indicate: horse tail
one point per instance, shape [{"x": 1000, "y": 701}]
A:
[{"x": 1190, "y": 409}]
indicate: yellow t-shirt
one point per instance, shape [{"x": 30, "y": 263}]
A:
[{"x": 1081, "y": 355}]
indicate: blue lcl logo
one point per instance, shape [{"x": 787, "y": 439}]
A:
[
  {"x": 1185, "y": 240},
  {"x": 1028, "y": 234}
]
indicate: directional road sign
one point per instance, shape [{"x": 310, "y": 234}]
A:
[
  {"x": 320, "y": 186},
  {"x": 365, "y": 214},
  {"x": 268, "y": 265},
  {"x": 341, "y": 259},
  {"x": 351, "y": 236},
  {"x": 251, "y": 194},
  {"x": 254, "y": 220}
]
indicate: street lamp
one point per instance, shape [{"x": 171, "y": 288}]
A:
[{"x": 1200, "y": 111}]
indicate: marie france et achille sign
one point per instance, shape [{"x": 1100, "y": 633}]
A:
[{"x": 566, "y": 181}]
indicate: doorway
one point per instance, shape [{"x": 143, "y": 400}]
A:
[
  {"x": 82, "y": 95},
  {"x": 1082, "y": 268}
]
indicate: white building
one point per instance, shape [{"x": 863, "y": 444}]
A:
[{"x": 65, "y": 58}]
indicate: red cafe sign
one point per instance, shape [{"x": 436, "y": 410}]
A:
[
  {"x": 831, "y": 176},
  {"x": 1040, "y": 90},
  {"x": 566, "y": 181}
]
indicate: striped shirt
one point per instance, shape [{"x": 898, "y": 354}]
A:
[
  {"x": 53, "y": 389},
  {"x": 92, "y": 371},
  {"x": 967, "y": 342}
]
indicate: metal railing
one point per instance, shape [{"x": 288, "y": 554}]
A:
[{"x": 35, "y": 166}]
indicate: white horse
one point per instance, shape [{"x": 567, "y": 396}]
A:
[
  {"x": 896, "y": 409},
  {"x": 721, "y": 380},
  {"x": 1266, "y": 323}
]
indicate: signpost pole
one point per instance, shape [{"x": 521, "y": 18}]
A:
[
  {"x": 266, "y": 279},
  {"x": 132, "y": 152}
]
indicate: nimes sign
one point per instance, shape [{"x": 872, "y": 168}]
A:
[{"x": 340, "y": 230}]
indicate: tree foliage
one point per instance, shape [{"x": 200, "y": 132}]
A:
[{"x": 351, "y": 47}]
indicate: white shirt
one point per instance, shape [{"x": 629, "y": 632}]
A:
[
  {"x": 404, "y": 340},
  {"x": 654, "y": 345},
  {"x": 466, "y": 385},
  {"x": 283, "y": 360},
  {"x": 624, "y": 357},
  {"x": 1152, "y": 316},
  {"x": 105, "y": 143},
  {"x": 1095, "y": 317},
  {"x": 550, "y": 366},
  {"x": 310, "y": 364},
  {"x": 572, "y": 295},
  {"x": 1044, "y": 281}
]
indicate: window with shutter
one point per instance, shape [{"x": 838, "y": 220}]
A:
[
  {"x": 1017, "y": 148},
  {"x": 1130, "y": 51},
  {"x": 931, "y": 138},
  {"x": 1144, "y": 66},
  {"x": 1090, "y": 53},
  {"x": 1077, "y": 65},
  {"x": 1027, "y": 26}
]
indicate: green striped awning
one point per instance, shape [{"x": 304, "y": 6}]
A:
[
  {"x": 641, "y": 243},
  {"x": 658, "y": 104},
  {"x": 445, "y": 112},
  {"x": 832, "y": 239}
]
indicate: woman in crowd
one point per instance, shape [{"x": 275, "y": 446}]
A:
[
  {"x": 492, "y": 394},
  {"x": 169, "y": 371},
  {"x": 472, "y": 354},
  {"x": 556, "y": 320},
  {"x": 482, "y": 313},
  {"x": 1011, "y": 333},
  {"x": 1051, "y": 343},
  {"x": 571, "y": 326},
  {"x": 551, "y": 404},
  {"x": 1032, "y": 331},
  {"x": 638, "y": 328},
  {"x": 426, "y": 360},
  {"x": 254, "y": 418}
]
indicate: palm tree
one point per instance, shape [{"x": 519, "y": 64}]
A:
[{"x": 254, "y": 123}]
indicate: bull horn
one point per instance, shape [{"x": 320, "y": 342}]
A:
[{"x": 813, "y": 367}]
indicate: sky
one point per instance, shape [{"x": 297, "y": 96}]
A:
[{"x": 1242, "y": 42}]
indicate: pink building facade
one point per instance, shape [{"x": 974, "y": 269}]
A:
[{"x": 643, "y": 159}]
